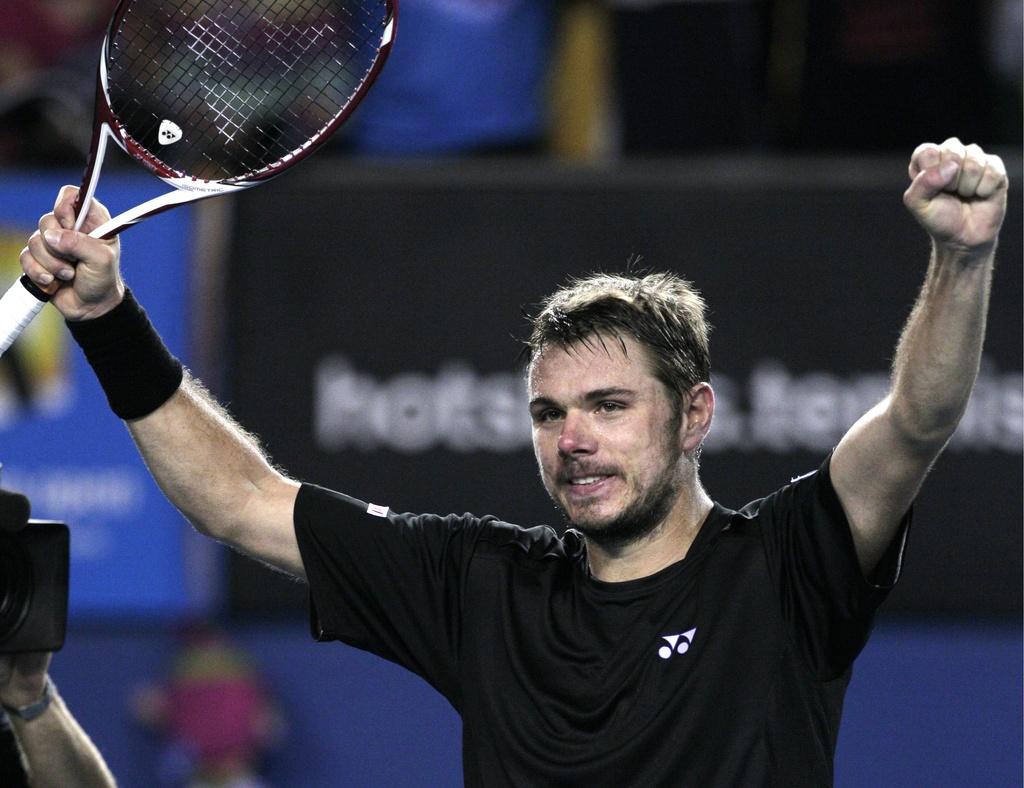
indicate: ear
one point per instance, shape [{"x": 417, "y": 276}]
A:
[{"x": 698, "y": 411}]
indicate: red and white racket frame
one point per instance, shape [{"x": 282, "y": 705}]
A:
[{"x": 24, "y": 299}]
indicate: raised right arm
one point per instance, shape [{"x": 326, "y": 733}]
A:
[
  {"x": 210, "y": 468},
  {"x": 216, "y": 475}
]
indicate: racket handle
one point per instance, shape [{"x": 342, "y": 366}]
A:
[{"x": 22, "y": 302}]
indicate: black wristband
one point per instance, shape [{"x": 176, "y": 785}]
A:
[{"x": 136, "y": 370}]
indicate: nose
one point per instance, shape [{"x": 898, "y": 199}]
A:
[{"x": 576, "y": 437}]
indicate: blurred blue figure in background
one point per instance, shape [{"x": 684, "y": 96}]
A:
[{"x": 465, "y": 76}]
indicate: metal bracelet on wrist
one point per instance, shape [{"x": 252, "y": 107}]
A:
[{"x": 33, "y": 710}]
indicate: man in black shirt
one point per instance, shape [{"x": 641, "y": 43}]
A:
[{"x": 664, "y": 640}]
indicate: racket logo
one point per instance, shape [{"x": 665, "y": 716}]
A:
[{"x": 170, "y": 132}]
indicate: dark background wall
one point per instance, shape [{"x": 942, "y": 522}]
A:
[{"x": 372, "y": 345}]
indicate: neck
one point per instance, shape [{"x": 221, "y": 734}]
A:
[{"x": 666, "y": 544}]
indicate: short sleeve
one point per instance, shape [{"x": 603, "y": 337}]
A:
[
  {"x": 826, "y": 600},
  {"x": 387, "y": 583}
]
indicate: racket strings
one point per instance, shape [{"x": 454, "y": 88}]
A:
[{"x": 221, "y": 91}]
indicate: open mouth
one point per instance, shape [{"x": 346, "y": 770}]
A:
[
  {"x": 587, "y": 485},
  {"x": 587, "y": 481}
]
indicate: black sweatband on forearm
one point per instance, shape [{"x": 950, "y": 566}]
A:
[{"x": 136, "y": 370}]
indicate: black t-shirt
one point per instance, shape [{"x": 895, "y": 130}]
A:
[
  {"x": 12, "y": 768},
  {"x": 727, "y": 668}
]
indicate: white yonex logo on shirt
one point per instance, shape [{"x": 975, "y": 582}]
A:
[
  {"x": 677, "y": 644},
  {"x": 377, "y": 509}
]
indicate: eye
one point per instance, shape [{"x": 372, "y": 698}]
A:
[
  {"x": 547, "y": 415},
  {"x": 608, "y": 406}
]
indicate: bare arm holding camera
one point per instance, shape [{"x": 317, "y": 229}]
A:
[{"x": 55, "y": 750}]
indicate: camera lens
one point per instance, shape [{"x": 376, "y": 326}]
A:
[{"x": 15, "y": 585}]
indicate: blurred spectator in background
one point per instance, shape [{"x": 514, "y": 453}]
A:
[
  {"x": 875, "y": 74},
  {"x": 1005, "y": 36},
  {"x": 699, "y": 75},
  {"x": 596, "y": 78},
  {"x": 690, "y": 74},
  {"x": 49, "y": 51},
  {"x": 215, "y": 713},
  {"x": 464, "y": 77}
]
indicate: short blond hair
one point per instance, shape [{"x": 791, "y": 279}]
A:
[{"x": 662, "y": 311}]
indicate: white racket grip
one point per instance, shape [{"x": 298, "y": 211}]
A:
[{"x": 18, "y": 306}]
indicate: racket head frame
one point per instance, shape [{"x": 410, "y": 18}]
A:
[
  {"x": 186, "y": 188},
  {"x": 24, "y": 299}
]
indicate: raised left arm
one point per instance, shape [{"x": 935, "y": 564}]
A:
[{"x": 958, "y": 194}]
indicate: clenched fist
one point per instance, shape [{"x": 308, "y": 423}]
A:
[
  {"x": 958, "y": 194},
  {"x": 80, "y": 273}
]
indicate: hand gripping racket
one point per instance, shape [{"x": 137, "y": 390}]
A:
[{"x": 215, "y": 96}]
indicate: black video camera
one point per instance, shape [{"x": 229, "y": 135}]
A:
[{"x": 34, "y": 557}]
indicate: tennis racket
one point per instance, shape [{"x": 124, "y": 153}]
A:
[{"x": 216, "y": 96}]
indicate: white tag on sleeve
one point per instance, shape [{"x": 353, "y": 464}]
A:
[{"x": 377, "y": 510}]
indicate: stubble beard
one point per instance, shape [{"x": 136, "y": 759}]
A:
[{"x": 643, "y": 515}]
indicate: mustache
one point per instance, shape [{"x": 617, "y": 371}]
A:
[{"x": 575, "y": 469}]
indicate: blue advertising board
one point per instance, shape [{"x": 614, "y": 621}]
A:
[{"x": 60, "y": 444}]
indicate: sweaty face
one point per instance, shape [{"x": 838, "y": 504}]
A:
[{"x": 606, "y": 438}]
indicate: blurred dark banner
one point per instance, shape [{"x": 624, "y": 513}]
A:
[{"x": 373, "y": 318}]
